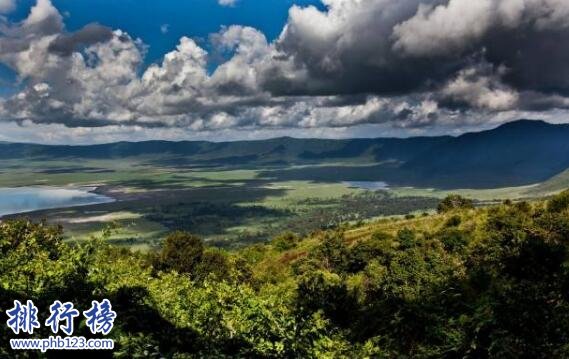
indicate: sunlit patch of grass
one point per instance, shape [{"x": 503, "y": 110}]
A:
[
  {"x": 479, "y": 194},
  {"x": 299, "y": 191}
]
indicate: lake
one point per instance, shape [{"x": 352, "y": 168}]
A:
[
  {"x": 369, "y": 185},
  {"x": 27, "y": 199}
]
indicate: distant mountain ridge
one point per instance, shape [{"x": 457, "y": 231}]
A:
[
  {"x": 288, "y": 149},
  {"x": 516, "y": 153}
]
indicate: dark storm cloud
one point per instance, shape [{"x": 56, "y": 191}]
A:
[
  {"x": 344, "y": 57},
  {"x": 398, "y": 47},
  {"x": 43, "y": 21},
  {"x": 537, "y": 60},
  {"x": 13, "y": 45},
  {"x": 349, "y": 50},
  {"x": 65, "y": 45},
  {"x": 409, "y": 63},
  {"x": 535, "y": 101}
]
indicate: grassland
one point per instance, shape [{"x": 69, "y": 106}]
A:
[
  {"x": 491, "y": 195},
  {"x": 227, "y": 205}
]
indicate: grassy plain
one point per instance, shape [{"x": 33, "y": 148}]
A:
[{"x": 228, "y": 205}]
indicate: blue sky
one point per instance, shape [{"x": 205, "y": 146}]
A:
[
  {"x": 160, "y": 24},
  {"x": 194, "y": 18},
  {"x": 83, "y": 71}
]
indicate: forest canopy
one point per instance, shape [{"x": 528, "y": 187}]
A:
[{"x": 467, "y": 282}]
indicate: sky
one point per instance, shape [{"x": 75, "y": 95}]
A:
[{"x": 94, "y": 71}]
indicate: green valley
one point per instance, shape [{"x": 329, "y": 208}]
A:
[{"x": 237, "y": 193}]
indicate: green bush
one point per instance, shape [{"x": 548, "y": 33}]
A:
[
  {"x": 182, "y": 252},
  {"x": 453, "y": 239},
  {"x": 494, "y": 285},
  {"x": 453, "y": 202},
  {"x": 453, "y": 221},
  {"x": 333, "y": 253},
  {"x": 559, "y": 202},
  {"x": 285, "y": 241},
  {"x": 406, "y": 238}
]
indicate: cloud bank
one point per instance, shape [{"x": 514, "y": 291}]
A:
[{"x": 411, "y": 64}]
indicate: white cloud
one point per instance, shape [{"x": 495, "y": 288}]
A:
[
  {"x": 444, "y": 29},
  {"x": 455, "y": 25},
  {"x": 164, "y": 28},
  {"x": 7, "y": 6},
  {"x": 359, "y": 63},
  {"x": 480, "y": 90},
  {"x": 227, "y": 2}
]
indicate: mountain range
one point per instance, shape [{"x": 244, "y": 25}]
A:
[{"x": 516, "y": 153}]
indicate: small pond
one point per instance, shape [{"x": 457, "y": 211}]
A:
[{"x": 369, "y": 185}]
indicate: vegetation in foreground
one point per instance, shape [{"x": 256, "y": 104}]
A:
[{"x": 486, "y": 282}]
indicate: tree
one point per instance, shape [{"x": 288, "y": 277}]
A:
[
  {"x": 333, "y": 253},
  {"x": 213, "y": 262},
  {"x": 407, "y": 238},
  {"x": 182, "y": 252},
  {"x": 559, "y": 203},
  {"x": 454, "y": 201},
  {"x": 453, "y": 239},
  {"x": 285, "y": 241}
]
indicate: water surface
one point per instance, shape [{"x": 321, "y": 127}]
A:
[
  {"x": 27, "y": 199},
  {"x": 369, "y": 185}
]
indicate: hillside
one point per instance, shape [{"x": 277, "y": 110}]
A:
[
  {"x": 518, "y": 153},
  {"x": 466, "y": 283},
  {"x": 284, "y": 150},
  {"x": 552, "y": 185}
]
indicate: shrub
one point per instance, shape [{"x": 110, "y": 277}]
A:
[
  {"x": 181, "y": 252},
  {"x": 378, "y": 247},
  {"x": 333, "y": 253},
  {"x": 453, "y": 202},
  {"x": 285, "y": 241},
  {"x": 453, "y": 221},
  {"x": 406, "y": 238},
  {"x": 453, "y": 239},
  {"x": 213, "y": 262},
  {"x": 559, "y": 202}
]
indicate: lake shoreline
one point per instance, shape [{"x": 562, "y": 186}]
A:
[{"x": 23, "y": 200}]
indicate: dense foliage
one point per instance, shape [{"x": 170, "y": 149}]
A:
[
  {"x": 473, "y": 283},
  {"x": 454, "y": 201}
]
